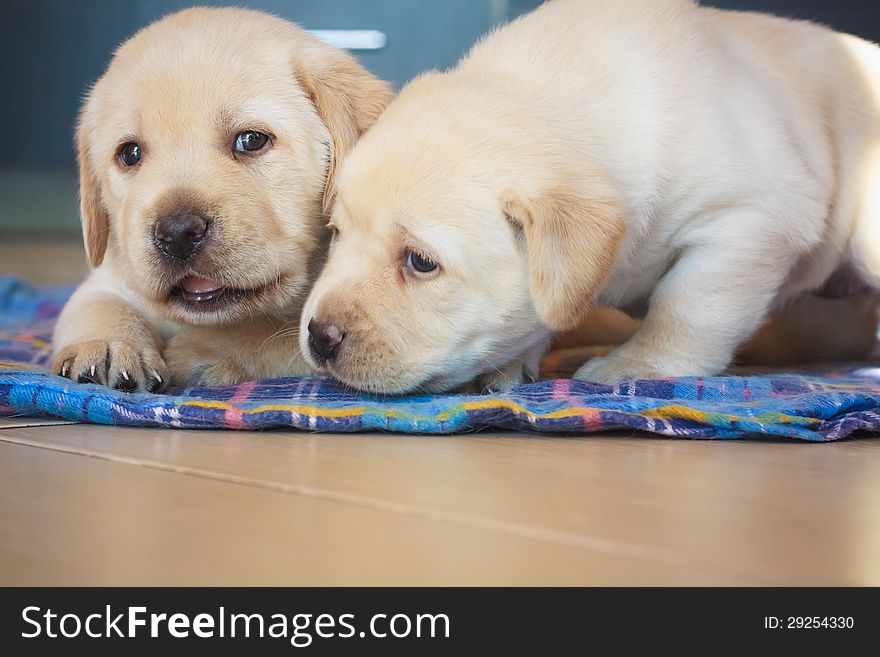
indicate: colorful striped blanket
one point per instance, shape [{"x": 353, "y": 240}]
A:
[{"x": 804, "y": 407}]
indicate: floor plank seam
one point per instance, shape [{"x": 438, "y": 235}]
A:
[{"x": 447, "y": 517}]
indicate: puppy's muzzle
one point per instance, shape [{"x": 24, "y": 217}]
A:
[
  {"x": 180, "y": 236},
  {"x": 324, "y": 340}
]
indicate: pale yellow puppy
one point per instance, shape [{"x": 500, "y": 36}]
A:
[
  {"x": 207, "y": 153},
  {"x": 699, "y": 166}
]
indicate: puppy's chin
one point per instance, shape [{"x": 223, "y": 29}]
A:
[
  {"x": 377, "y": 383},
  {"x": 392, "y": 383}
]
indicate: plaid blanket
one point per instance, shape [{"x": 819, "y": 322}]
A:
[{"x": 803, "y": 407}]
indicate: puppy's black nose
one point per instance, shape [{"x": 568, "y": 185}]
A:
[
  {"x": 179, "y": 236},
  {"x": 324, "y": 340}
]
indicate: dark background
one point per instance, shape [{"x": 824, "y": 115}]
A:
[{"x": 53, "y": 49}]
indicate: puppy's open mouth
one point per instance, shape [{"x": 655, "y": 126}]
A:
[{"x": 203, "y": 294}]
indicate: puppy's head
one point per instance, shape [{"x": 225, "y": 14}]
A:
[
  {"x": 457, "y": 246},
  {"x": 207, "y": 156}
]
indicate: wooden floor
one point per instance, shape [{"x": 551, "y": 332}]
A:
[{"x": 83, "y": 504}]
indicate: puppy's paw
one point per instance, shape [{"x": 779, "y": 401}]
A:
[
  {"x": 195, "y": 362},
  {"x": 499, "y": 381},
  {"x": 202, "y": 374},
  {"x": 121, "y": 364},
  {"x": 511, "y": 375},
  {"x": 617, "y": 367}
]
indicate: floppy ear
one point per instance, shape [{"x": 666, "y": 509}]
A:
[
  {"x": 95, "y": 222},
  {"x": 347, "y": 97},
  {"x": 572, "y": 244}
]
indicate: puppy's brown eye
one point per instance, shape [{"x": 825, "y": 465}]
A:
[
  {"x": 250, "y": 141},
  {"x": 130, "y": 153},
  {"x": 420, "y": 263}
]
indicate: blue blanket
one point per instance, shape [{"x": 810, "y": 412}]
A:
[{"x": 803, "y": 407}]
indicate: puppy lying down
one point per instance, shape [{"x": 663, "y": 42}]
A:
[
  {"x": 206, "y": 156},
  {"x": 697, "y": 166}
]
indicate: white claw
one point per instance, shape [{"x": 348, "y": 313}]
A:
[
  {"x": 124, "y": 375},
  {"x": 92, "y": 370}
]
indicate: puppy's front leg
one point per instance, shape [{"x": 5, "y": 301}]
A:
[
  {"x": 712, "y": 299},
  {"x": 525, "y": 368},
  {"x": 258, "y": 348},
  {"x": 102, "y": 338}
]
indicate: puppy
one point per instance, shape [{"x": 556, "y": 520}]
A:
[
  {"x": 697, "y": 166},
  {"x": 207, "y": 154}
]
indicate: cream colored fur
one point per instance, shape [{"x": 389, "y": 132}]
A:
[
  {"x": 183, "y": 88},
  {"x": 701, "y": 166}
]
